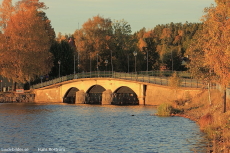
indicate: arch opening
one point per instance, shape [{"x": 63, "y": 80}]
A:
[
  {"x": 94, "y": 95},
  {"x": 125, "y": 96},
  {"x": 70, "y": 96}
]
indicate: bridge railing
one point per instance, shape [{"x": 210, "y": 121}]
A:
[
  {"x": 155, "y": 77},
  {"x": 160, "y": 79}
]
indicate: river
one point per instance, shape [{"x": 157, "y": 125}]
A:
[{"x": 95, "y": 129}]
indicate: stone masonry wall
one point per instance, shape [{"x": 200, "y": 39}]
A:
[{"x": 156, "y": 94}]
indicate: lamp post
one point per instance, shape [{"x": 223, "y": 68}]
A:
[
  {"x": 111, "y": 60},
  {"x": 78, "y": 61},
  {"x": 74, "y": 66},
  {"x": 147, "y": 59},
  {"x": 106, "y": 63},
  {"x": 59, "y": 63},
  {"x": 147, "y": 54},
  {"x": 128, "y": 63},
  {"x": 41, "y": 77},
  {"x": 97, "y": 62},
  {"x": 90, "y": 64},
  {"x": 135, "y": 55},
  {"x": 78, "y": 67}
]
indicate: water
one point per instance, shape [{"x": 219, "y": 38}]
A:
[{"x": 95, "y": 129}]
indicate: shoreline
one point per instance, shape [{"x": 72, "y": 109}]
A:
[{"x": 210, "y": 119}]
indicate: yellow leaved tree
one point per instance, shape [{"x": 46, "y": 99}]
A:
[
  {"x": 91, "y": 41},
  {"x": 211, "y": 50},
  {"x": 25, "y": 41}
]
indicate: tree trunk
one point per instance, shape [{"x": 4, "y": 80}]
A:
[{"x": 224, "y": 100}]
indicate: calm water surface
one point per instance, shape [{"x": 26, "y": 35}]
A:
[{"x": 95, "y": 129}]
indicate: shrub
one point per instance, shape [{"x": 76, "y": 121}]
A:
[
  {"x": 164, "y": 110},
  {"x": 206, "y": 120},
  {"x": 174, "y": 80},
  {"x": 167, "y": 110}
]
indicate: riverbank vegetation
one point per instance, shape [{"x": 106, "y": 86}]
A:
[{"x": 210, "y": 117}]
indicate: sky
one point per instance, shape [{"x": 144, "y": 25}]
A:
[{"x": 68, "y": 15}]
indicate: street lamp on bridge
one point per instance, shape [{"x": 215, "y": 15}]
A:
[
  {"x": 106, "y": 63},
  {"x": 59, "y": 63},
  {"x": 128, "y": 63},
  {"x": 97, "y": 62},
  {"x": 135, "y": 55},
  {"x": 111, "y": 60},
  {"x": 147, "y": 59},
  {"x": 74, "y": 65}
]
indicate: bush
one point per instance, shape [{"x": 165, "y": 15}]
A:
[
  {"x": 164, "y": 110},
  {"x": 174, "y": 80},
  {"x": 206, "y": 120},
  {"x": 167, "y": 110}
]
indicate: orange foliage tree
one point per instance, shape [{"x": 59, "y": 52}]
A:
[
  {"x": 25, "y": 42},
  {"x": 6, "y": 10},
  {"x": 212, "y": 46},
  {"x": 147, "y": 46},
  {"x": 91, "y": 40},
  {"x": 99, "y": 39}
]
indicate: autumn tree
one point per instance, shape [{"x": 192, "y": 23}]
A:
[
  {"x": 212, "y": 45},
  {"x": 6, "y": 10},
  {"x": 48, "y": 27},
  {"x": 166, "y": 44},
  {"x": 100, "y": 38},
  {"x": 25, "y": 42},
  {"x": 91, "y": 42},
  {"x": 147, "y": 46}
]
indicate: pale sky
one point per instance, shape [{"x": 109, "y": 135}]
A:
[{"x": 66, "y": 15}]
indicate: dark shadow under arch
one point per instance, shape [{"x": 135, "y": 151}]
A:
[
  {"x": 94, "y": 94},
  {"x": 125, "y": 96},
  {"x": 70, "y": 95}
]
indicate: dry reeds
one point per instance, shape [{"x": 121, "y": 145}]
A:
[
  {"x": 205, "y": 121},
  {"x": 211, "y": 119}
]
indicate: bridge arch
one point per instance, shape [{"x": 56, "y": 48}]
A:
[
  {"x": 57, "y": 92},
  {"x": 70, "y": 95},
  {"x": 125, "y": 96},
  {"x": 94, "y": 94}
]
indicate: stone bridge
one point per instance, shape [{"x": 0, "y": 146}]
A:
[{"x": 116, "y": 91}]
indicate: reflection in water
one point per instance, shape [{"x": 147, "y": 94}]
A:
[{"x": 90, "y": 128}]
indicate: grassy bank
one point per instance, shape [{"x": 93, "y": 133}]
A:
[{"x": 209, "y": 116}]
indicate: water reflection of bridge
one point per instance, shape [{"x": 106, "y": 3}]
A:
[{"x": 106, "y": 87}]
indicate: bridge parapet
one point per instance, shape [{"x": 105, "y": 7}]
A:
[{"x": 154, "y": 77}]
